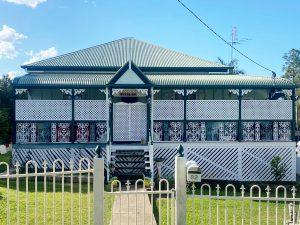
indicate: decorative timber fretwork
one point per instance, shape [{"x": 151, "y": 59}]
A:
[
  {"x": 20, "y": 91},
  {"x": 130, "y": 92},
  {"x": 66, "y": 91},
  {"x": 236, "y": 91},
  {"x": 191, "y": 91},
  {"x": 78, "y": 91},
  {"x": 179, "y": 91}
]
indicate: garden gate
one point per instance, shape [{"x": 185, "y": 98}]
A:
[{"x": 67, "y": 195}]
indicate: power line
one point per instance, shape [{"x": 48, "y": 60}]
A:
[{"x": 220, "y": 37}]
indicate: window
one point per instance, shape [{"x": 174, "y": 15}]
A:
[
  {"x": 91, "y": 132},
  {"x": 211, "y": 94},
  {"x": 266, "y": 131},
  {"x": 168, "y": 131},
  {"x": 90, "y": 94},
  {"x": 221, "y": 131},
  {"x": 50, "y": 94},
  {"x": 168, "y": 94}
]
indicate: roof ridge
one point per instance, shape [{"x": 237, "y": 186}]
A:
[
  {"x": 182, "y": 53},
  {"x": 112, "y": 54},
  {"x": 80, "y": 50}
]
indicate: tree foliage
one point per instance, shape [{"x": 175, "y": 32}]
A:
[
  {"x": 6, "y": 109},
  {"x": 278, "y": 168},
  {"x": 291, "y": 65},
  {"x": 232, "y": 63}
]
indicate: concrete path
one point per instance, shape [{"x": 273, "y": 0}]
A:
[{"x": 132, "y": 210}]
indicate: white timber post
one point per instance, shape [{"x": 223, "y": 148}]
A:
[
  {"x": 180, "y": 188},
  {"x": 98, "y": 188},
  {"x": 151, "y": 156}
]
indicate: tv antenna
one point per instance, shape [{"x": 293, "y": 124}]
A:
[{"x": 236, "y": 41}]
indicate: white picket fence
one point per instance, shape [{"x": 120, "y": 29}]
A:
[
  {"x": 26, "y": 205},
  {"x": 60, "y": 196}
]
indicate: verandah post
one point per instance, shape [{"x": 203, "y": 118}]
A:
[
  {"x": 180, "y": 187},
  {"x": 98, "y": 189}
]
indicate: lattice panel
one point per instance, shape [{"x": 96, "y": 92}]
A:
[
  {"x": 219, "y": 162},
  {"x": 40, "y": 110},
  {"x": 168, "y": 109},
  {"x": 212, "y": 109},
  {"x": 267, "y": 110},
  {"x": 121, "y": 121},
  {"x": 167, "y": 152},
  {"x": 231, "y": 161},
  {"x": 130, "y": 121},
  {"x": 90, "y": 110},
  {"x": 256, "y": 161},
  {"x": 138, "y": 123}
]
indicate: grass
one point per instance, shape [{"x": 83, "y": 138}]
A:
[
  {"x": 202, "y": 214},
  {"x": 61, "y": 210},
  {"x": 5, "y": 158}
]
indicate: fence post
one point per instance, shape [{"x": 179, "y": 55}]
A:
[
  {"x": 180, "y": 188},
  {"x": 98, "y": 189}
]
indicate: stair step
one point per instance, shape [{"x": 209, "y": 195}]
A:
[
  {"x": 129, "y": 167},
  {"x": 129, "y": 161}
]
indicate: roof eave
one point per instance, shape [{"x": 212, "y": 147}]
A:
[{"x": 115, "y": 69}]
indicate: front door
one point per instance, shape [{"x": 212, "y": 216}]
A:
[{"x": 129, "y": 122}]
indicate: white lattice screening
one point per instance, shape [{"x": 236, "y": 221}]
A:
[
  {"x": 40, "y": 110},
  {"x": 267, "y": 110},
  {"x": 212, "y": 109},
  {"x": 130, "y": 121},
  {"x": 90, "y": 110},
  {"x": 231, "y": 161},
  {"x": 168, "y": 109}
]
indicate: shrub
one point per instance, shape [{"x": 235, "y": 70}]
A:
[
  {"x": 147, "y": 182},
  {"x": 278, "y": 168},
  {"x": 5, "y": 125}
]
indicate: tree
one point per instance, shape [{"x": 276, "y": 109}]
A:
[
  {"x": 291, "y": 70},
  {"x": 232, "y": 63},
  {"x": 291, "y": 65},
  {"x": 6, "y": 109},
  {"x": 278, "y": 168}
]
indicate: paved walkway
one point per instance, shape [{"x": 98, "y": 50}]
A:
[{"x": 132, "y": 210}]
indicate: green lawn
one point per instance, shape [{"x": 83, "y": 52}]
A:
[
  {"x": 202, "y": 216},
  {"x": 5, "y": 158},
  {"x": 60, "y": 212}
]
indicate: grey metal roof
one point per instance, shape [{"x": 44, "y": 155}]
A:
[
  {"x": 217, "y": 80},
  {"x": 97, "y": 79},
  {"x": 63, "y": 79},
  {"x": 117, "y": 53}
]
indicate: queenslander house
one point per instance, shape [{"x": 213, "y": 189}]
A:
[{"x": 139, "y": 101}]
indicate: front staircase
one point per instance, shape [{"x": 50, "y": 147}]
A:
[{"x": 130, "y": 164}]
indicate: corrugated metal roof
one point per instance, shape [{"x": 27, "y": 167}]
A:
[
  {"x": 96, "y": 79},
  {"x": 63, "y": 79},
  {"x": 217, "y": 80},
  {"x": 117, "y": 53}
]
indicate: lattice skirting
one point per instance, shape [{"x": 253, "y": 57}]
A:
[
  {"x": 231, "y": 161},
  {"x": 50, "y": 154}
]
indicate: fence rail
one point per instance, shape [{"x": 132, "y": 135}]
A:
[
  {"x": 59, "y": 196},
  {"x": 229, "y": 206},
  {"x": 47, "y": 197}
]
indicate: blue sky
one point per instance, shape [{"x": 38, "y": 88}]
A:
[{"x": 35, "y": 29}]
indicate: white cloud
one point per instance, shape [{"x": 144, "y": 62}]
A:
[
  {"x": 29, "y": 3},
  {"x": 43, "y": 54},
  {"x": 8, "y": 38},
  {"x": 13, "y": 74}
]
